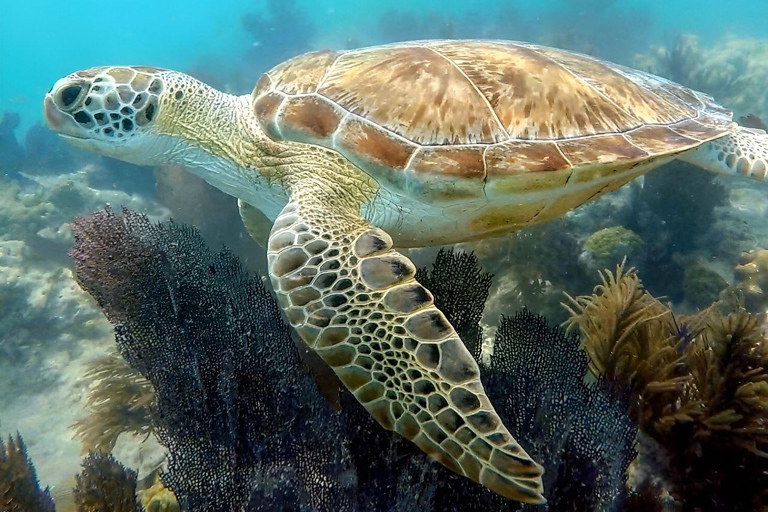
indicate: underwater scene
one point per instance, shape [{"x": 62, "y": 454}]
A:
[{"x": 384, "y": 256}]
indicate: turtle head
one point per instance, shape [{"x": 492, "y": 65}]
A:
[
  {"x": 112, "y": 111},
  {"x": 126, "y": 112},
  {"x": 151, "y": 116}
]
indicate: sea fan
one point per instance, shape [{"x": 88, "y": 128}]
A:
[
  {"x": 246, "y": 428},
  {"x": 239, "y": 418}
]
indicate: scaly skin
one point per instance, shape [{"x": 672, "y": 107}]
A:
[{"x": 349, "y": 295}]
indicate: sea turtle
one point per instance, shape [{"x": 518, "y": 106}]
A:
[{"x": 347, "y": 154}]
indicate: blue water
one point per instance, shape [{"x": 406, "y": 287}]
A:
[{"x": 42, "y": 40}]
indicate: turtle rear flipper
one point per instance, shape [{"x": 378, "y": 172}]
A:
[
  {"x": 743, "y": 152},
  {"x": 355, "y": 301}
]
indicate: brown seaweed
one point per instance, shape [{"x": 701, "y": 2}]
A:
[
  {"x": 700, "y": 387},
  {"x": 119, "y": 401}
]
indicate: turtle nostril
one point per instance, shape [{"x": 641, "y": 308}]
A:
[{"x": 70, "y": 95}]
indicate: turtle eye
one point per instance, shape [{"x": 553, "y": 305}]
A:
[{"x": 69, "y": 95}]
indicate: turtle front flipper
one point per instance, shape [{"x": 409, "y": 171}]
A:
[
  {"x": 355, "y": 301},
  {"x": 743, "y": 152}
]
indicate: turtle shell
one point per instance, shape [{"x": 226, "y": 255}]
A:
[{"x": 458, "y": 119}]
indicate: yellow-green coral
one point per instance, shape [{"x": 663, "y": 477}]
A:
[
  {"x": 158, "y": 498},
  {"x": 752, "y": 280},
  {"x": 105, "y": 485},
  {"x": 19, "y": 489},
  {"x": 702, "y": 285},
  {"x": 609, "y": 246}
]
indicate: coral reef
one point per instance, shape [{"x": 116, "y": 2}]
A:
[
  {"x": 699, "y": 386},
  {"x": 39, "y": 297},
  {"x": 50, "y": 326},
  {"x": 701, "y": 284},
  {"x": 533, "y": 268},
  {"x": 752, "y": 280},
  {"x": 157, "y": 498},
  {"x": 609, "y": 246},
  {"x": 44, "y": 312},
  {"x": 104, "y": 485},
  {"x": 675, "y": 214},
  {"x": 19, "y": 489},
  {"x": 118, "y": 401}
]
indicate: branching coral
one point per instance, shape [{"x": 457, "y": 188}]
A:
[
  {"x": 700, "y": 387},
  {"x": 119, "y": 401},
  {"x": 19, "y": 489},
  {"x": 104, "y": 485}
]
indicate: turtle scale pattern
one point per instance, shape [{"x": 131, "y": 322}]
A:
[{"x": 456, "y": 121}]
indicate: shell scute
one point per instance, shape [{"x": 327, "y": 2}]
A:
[
  {"x": 302, "y": 74},
  {"x": 533, "y": 97},
  {"x": 451, "y": 161},
  {"x": 693, "y": 129},
  {"x": 376, "y": 150},
  {"x": 265, "y": 108},
  {"x": 640, "y": 103},
  {"x": 517, "y": 157},
  {"x": 414, "y": 92},
  {"x": 460, "y": 119},
  {"x": 659, "y": 139},
  {"x": 604, "y": 149},
  {"x": 309, "y": 119}
]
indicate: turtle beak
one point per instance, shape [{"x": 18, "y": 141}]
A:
[
  {"x": 64, "y": 98},
  {"x": 54, "y": 117},
  {"x": 58, "y": 121}
]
